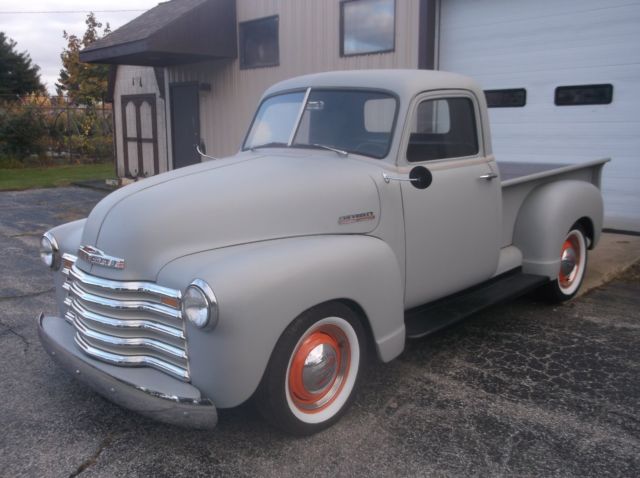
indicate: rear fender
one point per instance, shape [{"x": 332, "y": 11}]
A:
[
  {"x": 262, "y": 287},
  {"x": 546, "y": 217}
]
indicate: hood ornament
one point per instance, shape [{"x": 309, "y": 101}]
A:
[{"x": 93, "y": 255}]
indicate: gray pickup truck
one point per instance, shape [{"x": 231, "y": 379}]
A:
[{"x": 364, "y": 208}]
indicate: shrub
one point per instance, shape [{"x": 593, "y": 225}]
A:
[{"x": 23, "y": 133}]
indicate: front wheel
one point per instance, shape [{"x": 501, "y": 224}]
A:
[
  {"x": 573, "y": 264},
  {"x": 313, "y": 371}
]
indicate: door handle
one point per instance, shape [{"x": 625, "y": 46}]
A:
[
  {"x": 488, "y": 176},
  {"x": 388, "y": 178}
]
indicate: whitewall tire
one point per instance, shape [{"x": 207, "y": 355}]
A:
[
  {"x": 573, "y": 265},
  {"x": 314, "y": 370}
]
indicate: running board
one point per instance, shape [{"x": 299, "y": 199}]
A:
[{"x": 429, "y": 318}]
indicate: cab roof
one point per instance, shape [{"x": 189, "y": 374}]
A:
[{"x": 405, "y": 83}]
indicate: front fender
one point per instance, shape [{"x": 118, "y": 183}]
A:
[
  {"x": 546, "y": 217},
  {"x": 262, "y": 287}
]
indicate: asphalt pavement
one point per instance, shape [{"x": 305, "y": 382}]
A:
[{"x": 522, "y": 389}]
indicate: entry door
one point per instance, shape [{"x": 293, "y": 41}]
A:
[
  {"x": 185, "y": 124},
  {"x": 453, "y": 226},
  {"x": 140, "y": 133}
]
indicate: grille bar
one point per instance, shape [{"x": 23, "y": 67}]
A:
[
  {"x": 131, "y": 305},
  {"x": 128, "y": 342},
  {"x": 130, "y": 360},
  {"x": 124, "y": 286},
  {"x": 126, "y": 323}
]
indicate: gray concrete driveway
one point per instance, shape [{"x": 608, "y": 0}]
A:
[{"x": 522, "y": 389}]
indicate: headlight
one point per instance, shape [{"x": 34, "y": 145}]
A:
[
  {"x": 49, "y": 251},
  {"x": 199, "y": 304}
]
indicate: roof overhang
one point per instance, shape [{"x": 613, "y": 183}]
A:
[{"x": 175, "y": 32}]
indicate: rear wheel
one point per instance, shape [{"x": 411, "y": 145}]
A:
[
  {"x": 313, "y": 371},
  {"x": 573, "y": 264}
]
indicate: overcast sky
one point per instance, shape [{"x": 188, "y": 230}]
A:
[{"x": 40, "y": 34}]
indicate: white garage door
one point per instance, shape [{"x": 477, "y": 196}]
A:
[{"x": 544, "y": 44}]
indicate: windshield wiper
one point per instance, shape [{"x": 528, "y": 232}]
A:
[
  {"x": 273, "y": 144},
  {"x": 339, "y": 152}
]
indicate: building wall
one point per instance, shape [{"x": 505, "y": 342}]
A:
[
  {"x": 309, "y": 38},
  {"x": 137, "y": 80}
]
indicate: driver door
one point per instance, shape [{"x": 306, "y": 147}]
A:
[{"x": 452, "y": 228}]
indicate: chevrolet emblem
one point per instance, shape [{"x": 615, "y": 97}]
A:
[{"x": 93, "y": 255}]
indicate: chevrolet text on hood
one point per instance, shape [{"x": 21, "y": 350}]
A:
[{"x": 364, "y": 208}]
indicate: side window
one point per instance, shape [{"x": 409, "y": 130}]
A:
[
  {"x": 259, "y": 45},
  {"x": 584, "y": 95},
  {"x": 511, "y": 98},
  {"x": 443, "y": 128},
  {"x": 367, "y": 26}
]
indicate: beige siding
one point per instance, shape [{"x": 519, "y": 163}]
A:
[
  {"x": 309, "y": 42},
  {"x": 138, "y": 80}
]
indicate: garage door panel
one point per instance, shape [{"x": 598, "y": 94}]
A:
[
  {"x": 548, "y": 60},
  {"x": 559, "y": 146},
  {"x": 544, "y": 80},
  {"x": 466, "y": 11},
  {"x": 585, "y": 31}
]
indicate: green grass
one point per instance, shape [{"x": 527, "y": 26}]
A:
[{"x": 49, "y": 177}]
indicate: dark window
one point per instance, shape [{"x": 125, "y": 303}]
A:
[
  {"x": 506, "y": 98},
  {"x": 443, "y": 128},
  {"x": 367, "y": 26},
  {"x": 259, "y": 43},
  {"x": 584, "y": 95}
]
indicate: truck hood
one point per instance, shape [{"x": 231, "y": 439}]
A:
[{"x": 246, "y": 198}]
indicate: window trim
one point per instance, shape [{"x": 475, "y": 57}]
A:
[
  {"x": 403, "y": 162},
  {"x": 609, "y": 86},
  {"x": 241, "y": 40},
  {"x": 342, "y": 36},
  {"x": 506, "y": 90}
]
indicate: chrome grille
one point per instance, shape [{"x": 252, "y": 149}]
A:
[{"x": 126, "y": 323}]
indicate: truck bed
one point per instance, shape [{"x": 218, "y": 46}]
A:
[
  {"x": 512, "y": 172},
  {"x": 518, "y": 179}
]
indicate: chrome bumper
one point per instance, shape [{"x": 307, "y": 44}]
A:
[{"x": 142, "y": 390}]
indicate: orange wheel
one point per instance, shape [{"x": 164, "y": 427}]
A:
[
  {"x": 319, "y": 368},
  {"x": 573, "y": 264},
  {"x": 313, "y": 370}
]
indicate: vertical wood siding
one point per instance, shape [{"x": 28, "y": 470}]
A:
[
  {"x": 309, "y": 38},
  {"x": 136, "y": 80}
]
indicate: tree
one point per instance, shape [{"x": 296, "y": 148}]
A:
[
  {"x": 18, "y": 75},
  {"x": 84, "y": 83}
]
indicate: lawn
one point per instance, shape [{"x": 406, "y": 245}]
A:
[{"x": 27, "y": 178}]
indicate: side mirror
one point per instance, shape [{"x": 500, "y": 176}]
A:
[{"x": 420, "y": 177}]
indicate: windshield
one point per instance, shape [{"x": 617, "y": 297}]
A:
[{"x": 354, "y": 121}]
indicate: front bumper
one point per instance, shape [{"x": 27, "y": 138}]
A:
[{"x": 142, "y": 390}]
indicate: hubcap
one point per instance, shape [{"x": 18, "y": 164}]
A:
[
  {"x": 319, "y": 368},
  {"x": 569, "y": 261}
]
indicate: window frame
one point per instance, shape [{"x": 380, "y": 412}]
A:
[
  {"x": 402, "y": 160},
  {"x": 608, "y": 86},
  {"x": 242, "y": 39},
  {"x": 342, "y": 32}
]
